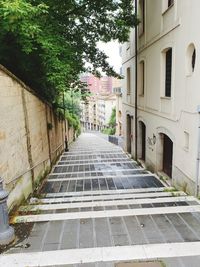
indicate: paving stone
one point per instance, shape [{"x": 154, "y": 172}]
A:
[
  {"x": 192, "y": 222},
  {"x": 86, "y": 236},
  {"x": 150, "y": 230},
  {"x": 183, "y": 229},
  {"x": 118, "y": 231},
  {"x": 70, "y": 234},
  {"x": 103, "y": 237},
  {"x": 168, "y": 230},
  {"x": 135, "y": 231}
]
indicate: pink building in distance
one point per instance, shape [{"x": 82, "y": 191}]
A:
[{"x": 101, "y": 86}]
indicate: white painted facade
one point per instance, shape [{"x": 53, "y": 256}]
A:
[
  {"x": 174, "y": 27},
  {"x": 118, "y": 92}
]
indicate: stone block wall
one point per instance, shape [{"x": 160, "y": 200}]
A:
[{"x": 31, "y": 137}]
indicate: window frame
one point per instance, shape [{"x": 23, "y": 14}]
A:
[
  {"x": 167, "y": 6},
  {"x": 170, "y": 3},
  {"x": 141, "y": 27},
  {"x": 128, "y": 81},
  {"x": 142, "y": 78},
  {"x": 168, "y": 72}
]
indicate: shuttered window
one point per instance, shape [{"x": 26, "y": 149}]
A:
[
  {"x": 128, "y": 73},
  {"x": 142, "y": 17},
  {"x": 170, "y": 2},
  {"x": 168, "y": 73},
  {"x": 141, "y": 78}
]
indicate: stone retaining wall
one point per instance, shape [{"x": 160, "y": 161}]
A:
[{"x": 31, "y": 137}]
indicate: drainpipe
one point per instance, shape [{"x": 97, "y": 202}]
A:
[
  {"x": 198, "y": 157},
  {"x": 65, "y": 128},
  {"x": 136, "y": 72}
]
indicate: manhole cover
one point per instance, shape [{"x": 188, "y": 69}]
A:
[{"x": 139, "y": 264}]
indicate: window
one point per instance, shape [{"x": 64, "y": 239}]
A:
[
  {"x": 168, "y": 72},
  {"x": 141, "y": 78},
  {"x": 191, "y": 59},
  {"x": 128, "y": 81},
  {"x": 170, "y": 3},
  {"x": 141, "y": 27}
]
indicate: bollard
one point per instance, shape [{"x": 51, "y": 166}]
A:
[{"x": 7, "y": 234}]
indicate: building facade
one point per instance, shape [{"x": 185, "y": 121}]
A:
[
  {"x": 161, "y": 105},
  {"x": 118, "y": 92},
  {"x": 101, "y": 85},
  {"x": 96, "y": 111}
]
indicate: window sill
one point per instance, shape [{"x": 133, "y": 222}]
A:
[
  {"x": 164, "y": 12},
  {"x": 165, "y": 97},
  {"x": 189, "y": 75}
]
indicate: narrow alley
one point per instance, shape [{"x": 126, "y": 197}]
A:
[{"x": 99, "y": 208}]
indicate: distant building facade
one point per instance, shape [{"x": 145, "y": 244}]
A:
[
  {"x": 103, "y": 85},
  {"x": 168, "y": 95},
  {"x": 96, "y": 111}
]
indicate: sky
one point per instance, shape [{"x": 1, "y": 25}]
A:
[{"x": 111, "y": 49}]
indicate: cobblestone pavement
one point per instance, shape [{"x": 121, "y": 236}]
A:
[{"x": 98, "y": 208}]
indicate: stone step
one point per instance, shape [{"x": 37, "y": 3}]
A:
[
  {"x": 98, "y": 171},
  {"x": 101, "y": 254},
  {"x": 90, "y": 162},
  {"x": 108, "y": 197},
  {"x": 145, "y": 173},
  {"x": 105, "y": 214},
  {"x": 110, "y": 192},
  {"x": 107, "y": 203}
]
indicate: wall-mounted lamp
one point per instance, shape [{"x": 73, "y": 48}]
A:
[{"x": 154, "y": 139}]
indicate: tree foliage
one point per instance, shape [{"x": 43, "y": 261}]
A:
[
  {"x": 47, "y": 43},
  {"x": 111, "y": 124}
]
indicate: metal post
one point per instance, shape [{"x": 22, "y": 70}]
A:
[
  {"x": 136, "y": 83},
  {"x": 66, "y": 141},
  {"x": 7, "y": 234}
]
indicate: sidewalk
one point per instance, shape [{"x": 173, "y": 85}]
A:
[{"x": 98, "y": 208}]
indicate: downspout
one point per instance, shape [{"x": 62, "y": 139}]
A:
[
  {"x": 65, "y": 127},
  {"x": 198, "y": 156},
  {"x": 136, "y": 84}
]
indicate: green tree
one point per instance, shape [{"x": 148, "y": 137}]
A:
[
  {"x": 46, "y": 44},
  {"x": 112, "y": 124}
]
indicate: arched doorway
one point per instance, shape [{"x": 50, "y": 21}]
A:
[
  {"x": 167, "y": 155},
  {"x": 142, "y": 141},
  {"x": 129, "y": 134}
]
